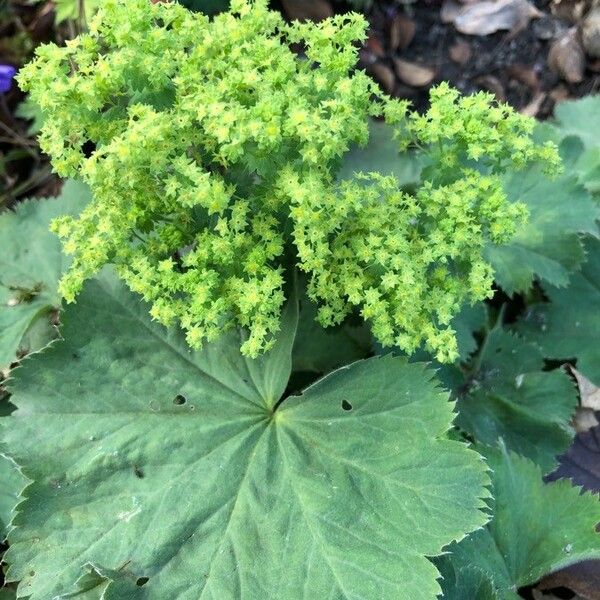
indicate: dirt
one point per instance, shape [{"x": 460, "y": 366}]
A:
[{"x": 511, "y": 64}]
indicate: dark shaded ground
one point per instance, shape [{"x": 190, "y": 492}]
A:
[{"x": 513, "y": 65}]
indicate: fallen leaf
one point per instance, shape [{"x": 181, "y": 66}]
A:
[
  {"x": 569, "y": 10},
  {"x": 582, "y": 578},
  {"x": 402, "y": 32},
  {"x": 460, "y": 52},
  {"x": 590, "y": 32},
  {"x": 483, "y": 18},
  {"x": 590, "y": 393},
  {"x": 566, "y": 57},
  {"x": 589, "y": 402},
  {"x": 307, "y": 10},
  {"x": 581, "y": 463},
  {"x": 413, "y": 73}
]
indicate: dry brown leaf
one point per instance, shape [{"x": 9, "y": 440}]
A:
[
  {"x": 589, "y": 392},
  {"x": 589, "y": 402},
  {"x": 566, "y": 57},
  {"x": 582, "y": 578},
  {"x": 488, "y": 16},
  {"x": 460, "y": 52},
  {"x": 569, "y": 10},
  {"x": 590, "y": 33},
  {"x": 413, "y": 73},
  {"x": 402, "y": 32},
  {"x": 307, "y": 10}
]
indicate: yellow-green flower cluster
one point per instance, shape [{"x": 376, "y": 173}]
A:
[{"x": 211, "y": 148}]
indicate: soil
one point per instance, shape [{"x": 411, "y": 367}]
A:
[{"x": 511, "y": 64}]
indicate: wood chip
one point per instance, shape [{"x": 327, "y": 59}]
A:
[
  {"x": 525, "y": 74},
  {"x": 590, "y": 33},
  {"x": 567, "y": 58},
  {"x": 401, "y": 33},
  {"x": 413, "y": 73},
  {"x": 534, "y": 106},
  {"x": 384, "y": 75},
  {"x": 460, "y": 52}
]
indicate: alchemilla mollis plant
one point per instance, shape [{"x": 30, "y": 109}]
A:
[
  {"x": 168, "y": 446},
  {"x": 211, "y": 150}
]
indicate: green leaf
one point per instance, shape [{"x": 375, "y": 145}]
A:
[
  {"x": 536, "y": 528},
  {"x": 467, "y": 583},
  {"x": 320, "y": 350},
  {"x": 381, "y": 154},
  {"x": 97, "y": 583},
  {"x": 70, "y": 9},
  {"x": 11, "y": 480},
  {"x": 470, "y": 319},
  {"x": 11, "y": 484},
  {"x": 548, "y": 246},
  {"x": 174, "y": 465},
  {"x": 574, "y": 129},
  {"x": 580, "y": 118},
  {"x": 567, "y": 327},
  {"x": 31, "y": 264},
  {"x": 506, "y": 395},
  {"x": 30, "y": 111}
]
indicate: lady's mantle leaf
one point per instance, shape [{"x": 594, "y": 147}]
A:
[
  {"x": 11, "y": 483},
  {"x": 31, "y": 264},
  {"x": 508, "y": 396},
  {"x": 580, "y": 118},
  {"x": 320, "y": 350},
  {"x": 175, "y": 467},
  {"x": 466, "y": 583},
  {"x": 548, "y": 246},
  {"x": 382, "y": 154},
  {"x": 567, "y": 327},
  {"x": 536, "y": 528}
]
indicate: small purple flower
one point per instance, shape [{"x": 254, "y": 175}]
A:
[{"x": 7, "y": 72}]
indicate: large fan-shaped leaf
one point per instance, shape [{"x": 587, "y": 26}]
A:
[
  {"x": 548, "y": 246},
  {"x": 567, "y": 327},
  {"x": 31, "y": 264},
  {"x": 381, "y": 154},
  {"x": 506, "y": 395},
  {"x": 580, "y": 118},
  {"x": 535, "y": 529},
  {"x": 182, "y": 468}
]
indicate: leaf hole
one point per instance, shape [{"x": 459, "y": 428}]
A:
[
  {"x": 346, "y": 405},
  {"x": 179, "y": 400},
  {"x": 141, "y": 581}
]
